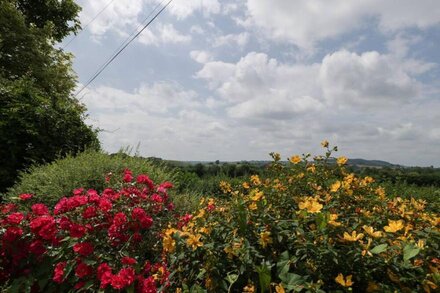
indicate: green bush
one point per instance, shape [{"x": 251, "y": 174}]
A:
[{"x": 89, "y": 169}]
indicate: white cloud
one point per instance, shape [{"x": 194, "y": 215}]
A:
[
  {"x": 257, "y": 86},
  {"x": 201, "y": 56},
  {"x": 184, "y": 9},
  {"x": 163, "y": 34},
  {"x": 305, "y": 22},
  {"x": 119, "y": 16},
  {"x": 237, "y": 40},
  {"x": 369, "y": 79}
]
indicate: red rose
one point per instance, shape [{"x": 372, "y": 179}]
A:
[
  {"x": 105, "y": 205},
  {"x": 118, "y": 282},
  {"x": 119, "y": 219},
  {"x": 82, "y": 270},
  {"x": 7, "y": 208},
  {"x": 78, "y": 191},
  {"x": 44, "y": 226},
  {"x": 146, "y": 222},
  {"x": 89, "y": 212},
  {"x": 144, "y": 179},
  {"x": 40, "y": 209},
  {"x": 25, "y": 196},
  {"x": 128, "y": 260},
  {"x": 83, "y": 249},
  {"x": 15, "y": 218},
  {"x": 138, "y": 213},
  {"x": 77, "y": 231},
  {"x": 12, "y": 233},
  {"x": 157, "y": 198},
  {"x": 128, "y": 275},
  {"x": 37, "y": 247},
  {"x": 102, "y": 268},
  {"x": 128, "y": 176},
  {"x": 149, "y": 286},
  {"x": 106, "y": 279},
  {"x": 79, "y": 285},
  {"x": 59, "y": 272}
]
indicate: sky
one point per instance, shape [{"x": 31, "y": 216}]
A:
[{"x": 235, "y": 80}]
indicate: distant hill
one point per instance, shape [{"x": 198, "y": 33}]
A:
[
  {"x": 371, "y": 163},
  {"x": 357, "y": 163}
]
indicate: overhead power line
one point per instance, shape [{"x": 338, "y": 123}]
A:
[
  {"x": 125, "y": 44},
  {"x": 90, "y": 22}
]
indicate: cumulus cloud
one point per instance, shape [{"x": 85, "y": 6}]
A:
[
  {"x": 184, "y": 9},
  {"x": 163, "y": 34},
  {"x": 201, "y": 56},
  {"x": 368, "y": 79},
  {"x": 237, "y": 40},
  {"x": 306, "y": 22},
  {"x": 119, "y": 16},
  {"x": 261, "y": 86}
]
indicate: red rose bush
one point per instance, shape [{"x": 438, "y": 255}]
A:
[{"x": 88, "y": 241}]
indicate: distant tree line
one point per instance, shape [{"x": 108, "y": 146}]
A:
[{"x": 419, "y": 176}]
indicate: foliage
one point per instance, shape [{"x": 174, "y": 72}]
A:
[
  {"x": 89, "y": 169},
  {"x": 88, "y": 241},
  {"x": 308, "y": 227},
  {"x": 419, "y": 176},
  {"x": 39, "y": 119},
  {"x": 32, "y": 131}
]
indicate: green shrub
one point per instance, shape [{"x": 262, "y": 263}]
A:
[
  {"x": 309, "y": 226},
  {"x": 89, "y": 169}
]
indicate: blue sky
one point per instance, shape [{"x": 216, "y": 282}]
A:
[{"x": 235, "y": 80}]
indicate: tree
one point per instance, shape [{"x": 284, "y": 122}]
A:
[{"x": 40, "y": 119}]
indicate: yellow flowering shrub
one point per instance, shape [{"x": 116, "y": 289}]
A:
[{"x": 310, "y": 226}]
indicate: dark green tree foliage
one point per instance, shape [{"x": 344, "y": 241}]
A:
[{"x": 40, "y": 120}]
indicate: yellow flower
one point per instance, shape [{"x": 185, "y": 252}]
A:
[
  {"x": 253, "y": 206},
  {"x": 295, "y": 159},
  {"x": 168, "y": 243},
  {"x": 246, "y": 185},
  {"x": 335, "y": 186},
  {"x": 257, "y": 196},
  {"x": 255, "y": 180},
  {"x": 178, "y": 290},
  {"x": 341, "y": 161},
  {"x": 201, "y": 214},
  {"x": 344, "y": 282},
  {"x": 225, "y": 187},
  {"x": 265, "y": 238},
  {"x": 249, "y": 289},
  {"x": 311, "y": 205},
  {"x": 205, "y": 230},
  {"x": 194, "y": 241},
  {"x": 380, "y": 191},
  {"x": 279, "y": 288},
  {"x": 276, "y": 156},
  {"x": 370, "y": 231},
  {"x": 208, "y": 283},
  {"x": 421, "y": 244},
  {"x": 332, "y": 221},
  {"x": 394, "y": 226},
  {"x": 353, "y": 237},
  {"x": 324, "y": 143},
  {"x": 311, "y": 168}
]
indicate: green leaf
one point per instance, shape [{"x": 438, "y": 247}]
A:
[
  {"x": 379, "y": 249},
  {"x": 264, "y": 277},
  {"x": 231, "y": 278},
  {"x": 410, "y": 251}
]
